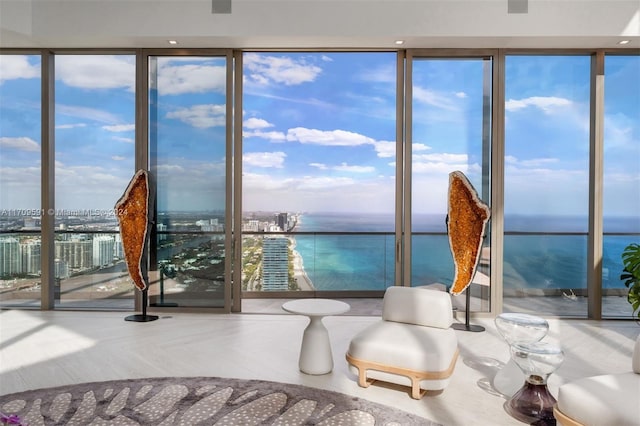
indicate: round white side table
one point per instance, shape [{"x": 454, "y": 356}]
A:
[{"x": 315, "y": 352}]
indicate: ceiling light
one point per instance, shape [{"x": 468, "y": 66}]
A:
[
  {"x": 173, "y": 42},
  {"x": 399, "y": 41},
  {"x": 623, "y": 42}
]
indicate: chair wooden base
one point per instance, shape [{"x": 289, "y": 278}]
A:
[
  {"x": 563, "y": 419},
  {"x": 415, "y": 376}
]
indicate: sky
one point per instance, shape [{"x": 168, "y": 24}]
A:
[{"x": 319, "y": 132}]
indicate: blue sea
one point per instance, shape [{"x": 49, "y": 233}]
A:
[{"x": 366, "y": 262}]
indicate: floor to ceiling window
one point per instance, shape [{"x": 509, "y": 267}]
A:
[
  {"x": 621, "y": 182},
  {"x": 451, "y": 131},
  {"x": 319, "y": 165},
  {"x": 94, "y": 153},
  {"x": 320, "y": 206},
  {"x": 546, "y": 189},
  {"x": 188, "y": 162},
  {"x": 20, "y": 118}
]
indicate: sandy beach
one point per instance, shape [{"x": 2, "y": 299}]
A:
[{"x": 302, "y": 279}]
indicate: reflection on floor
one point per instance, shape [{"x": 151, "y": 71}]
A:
[
  {"x": 53, "y": 348},
  {"x": 614, "y": 307}
]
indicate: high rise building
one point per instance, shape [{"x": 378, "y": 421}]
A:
[
  {"x": 251, "y": 226},
  {"x": 160, "y": 227},
  {"x": 61, "y": 269},
  {"x": 76, "y": 253},
  {"x": 282, "y": 222},
  {"x": 103, "y": 250},
  {"x": 10, "y": 259},
  {"x": 275, "y": 264},
  {"x": 118, "y": 250},
  {"x": 31, "y": 262}
]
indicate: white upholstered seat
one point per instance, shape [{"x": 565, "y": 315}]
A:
[
  {"x": 412, "y": 345},
  {"x": 610, "y": 399}
]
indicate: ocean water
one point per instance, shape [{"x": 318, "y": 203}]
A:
[{"x": 366, "y": 262}]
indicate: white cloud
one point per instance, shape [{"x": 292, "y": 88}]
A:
[
  {"x": 385, "y": 149},
  {"x": 619, "y": 132},
  {"x": 170, "y": 169},
  {"x": 256, "y": 123},
  {"x": 97, "y": 71},
  {"x": 385, "y": 74},
  {"x": 320, "y": 166},
  {"x": 263, "y": 185},
  {"x": 70, "y": 126},
  {"x": 530, "y": 163},
  {"x": 344, "y": 167},
  {"x": 20, "y": 187},
  {"x": 434, "y": 98},
  {"x": 20, "y": 144},
  {"x": 13, "y": 67},
  {"x": 442, "y": 157},
  {"x": 191, "y": 78},
  {"x": 266, "y": 69},
  {"x": 461, "y": 95},
  {"x": 547, "y": 104},
  {"x": 323, "y": 182},
  {"x": 201, "y": 116},
  {"x": 545, "y": 191},
  {"x": 272, "y": 136},
  {"x": 118, "y": 158},
  {"x": 264, "y": 159},
  {"x": 415, "y": 147},
  {"x": 327, "y": 137},
  {"x": 120, "y": 128},
  {"x": 88, "y": 114},
  {"x": 271, "y": 192},
  {"x": 125, "y": 140},
  {"x": 442, "y": 163},
  {"x": 96, "y": 187}
]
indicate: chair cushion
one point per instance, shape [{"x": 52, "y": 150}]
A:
[
  {"x": 419, "y": 306},
  {"x": 611, "y": 399},
  {"x": 414, "y": 347}
]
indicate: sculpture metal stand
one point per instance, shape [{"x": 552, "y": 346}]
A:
[
  {"x": 143, "y": 317},
  {"x": 466, "y": 326}
]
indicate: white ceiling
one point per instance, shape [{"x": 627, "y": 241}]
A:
[{"x": 321, "y": 24}]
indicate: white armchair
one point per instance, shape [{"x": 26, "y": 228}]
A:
[
  {"x": 610, "y": 399},
  {"x": 412, "y": 345}
]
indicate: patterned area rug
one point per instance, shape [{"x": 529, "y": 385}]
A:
[{"x": 198, "y": 401}]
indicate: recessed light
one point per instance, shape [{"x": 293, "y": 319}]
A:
[
  {"x": 623, "y": 42},
  {"x": 399, "y": 41},
  {"x": 173, "y": 42}
]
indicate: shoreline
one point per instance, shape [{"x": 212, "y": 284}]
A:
[{"x": 299, "y": 273}]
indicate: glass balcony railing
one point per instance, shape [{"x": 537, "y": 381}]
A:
[
  {"x": 544, "y": 273},
  {"x": 318, "y": 261},
  {"x": 90, "y": 271},
  {"x": 20, "y": 269},
  {"x": 190, "y": 270}
]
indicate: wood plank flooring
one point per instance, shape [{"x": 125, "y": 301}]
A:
[{"x": 52, "y": 348}]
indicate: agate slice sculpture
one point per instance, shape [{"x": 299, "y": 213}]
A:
[
  {"x": 132, "y": 210},
  {"x": 466, "y": 222}
]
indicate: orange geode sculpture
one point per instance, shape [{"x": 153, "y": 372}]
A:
[
  {"x": 466, "y": 221},
  {"x": 132, "y": 210}
]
